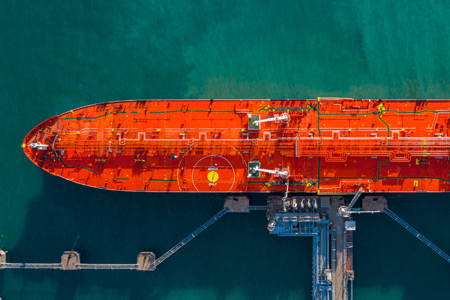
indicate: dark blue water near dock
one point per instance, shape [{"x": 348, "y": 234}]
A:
[{"x": 57, "y": 55}]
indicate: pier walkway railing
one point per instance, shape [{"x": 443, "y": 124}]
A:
[
  {"x": 417, "y": 234},
  {"x": 107, "y": 266},
  {"x": 190, "y": 237},
  {"x": 78, "y": 266},
  {"x": 29, "y": 266}
]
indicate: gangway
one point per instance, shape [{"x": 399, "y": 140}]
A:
[
  {"x": 49, "y": 266},
  {"x": 417, "y": 234},
  {"x": 190, "y": 237},
  {"x": 257, "y": 207},
  {"x": 107, "y": 266}
]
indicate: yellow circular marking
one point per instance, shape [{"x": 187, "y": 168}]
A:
[{"x": 213, "y": 176}]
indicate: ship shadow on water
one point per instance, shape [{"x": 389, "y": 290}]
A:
[{"x": 235, "y": 256}]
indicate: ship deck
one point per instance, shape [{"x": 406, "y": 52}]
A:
[{"x": 328, "y": 145}]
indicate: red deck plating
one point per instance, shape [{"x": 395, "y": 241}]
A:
[{"x": 328, "y": 145}]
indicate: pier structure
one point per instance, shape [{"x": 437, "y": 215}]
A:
[
  {"x": 319, "y": 217},
  {"x": 189, "y": 238},
  {"x": 328, "y": 220},
  {"x": 417, "y": 234},
  {"x": 70, "y": 260},
  {"x": 146, "y": 261},
  {"x": 292, "y": 216}
]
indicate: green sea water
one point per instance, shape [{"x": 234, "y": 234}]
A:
[{"x": 60, "y": 55}]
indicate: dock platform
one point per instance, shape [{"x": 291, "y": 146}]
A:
[
  {"x": 317, "y": 217},
  {"x": 237, "y": 204},
  {"x": 374, "y": 203},
  {"x": 146, "y": 261},
  {"x": 70, "y": 260}
]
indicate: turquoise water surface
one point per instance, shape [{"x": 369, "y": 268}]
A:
[{"x": 60, "y": 55}]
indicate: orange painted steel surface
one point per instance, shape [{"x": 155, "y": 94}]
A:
[{"x": 328, "y": 145}]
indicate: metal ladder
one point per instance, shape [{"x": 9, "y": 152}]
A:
[
  {"x": 417, "y": 234},
  {"x": 190, "y": 237}
]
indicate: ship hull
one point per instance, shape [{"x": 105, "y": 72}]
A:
[{"x": 325, "y": 145}]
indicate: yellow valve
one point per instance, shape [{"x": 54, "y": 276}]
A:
[{"x": 381, "y": 107}]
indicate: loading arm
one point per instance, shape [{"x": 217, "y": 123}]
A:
[
  {"x": 284, "y": 118},
  {"x": 283, "y": 173}
]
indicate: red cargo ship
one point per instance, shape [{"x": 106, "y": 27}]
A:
[{"x": 328, "y": 145}]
